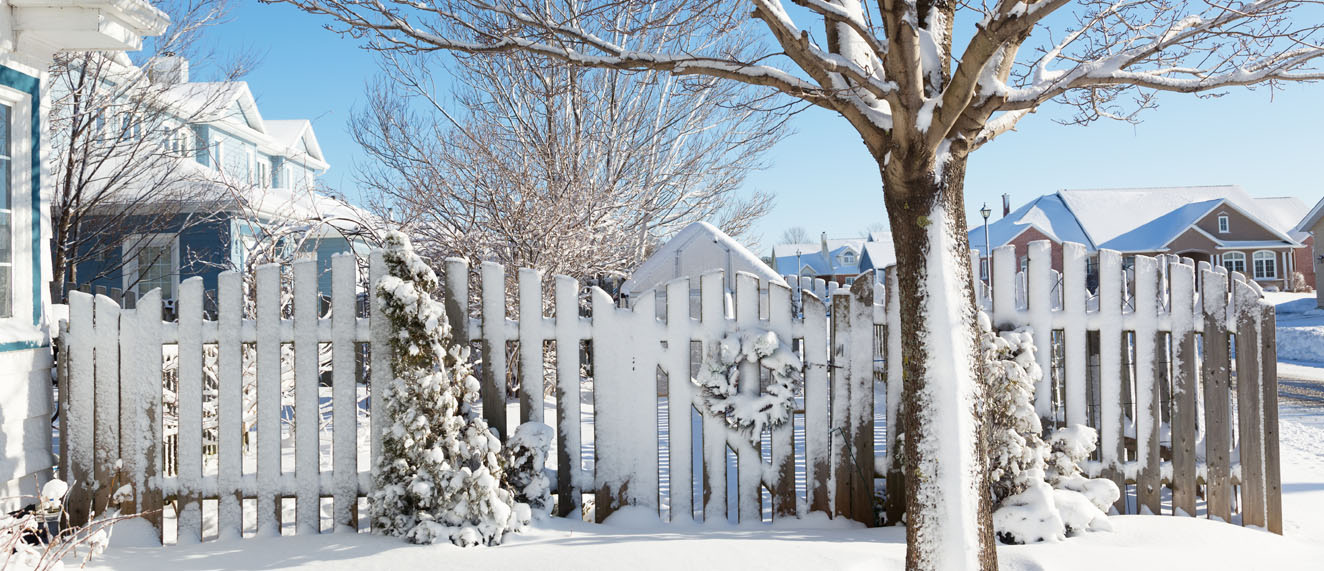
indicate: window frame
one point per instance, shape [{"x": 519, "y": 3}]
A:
[
  {"x": 22, "y": 303},
  {"x": 1272, "y": 258},
  {"x": 1224, "y": 224},
  {"x": 1240, "y": 257},
  {"x": 129, "y": 274}
]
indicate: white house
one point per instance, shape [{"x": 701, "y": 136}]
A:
[
  {"x": 31, "y": 32},
  {"x": 697, "y": 249}
]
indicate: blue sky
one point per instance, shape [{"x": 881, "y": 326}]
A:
[{"x": 1270, "y": 143}]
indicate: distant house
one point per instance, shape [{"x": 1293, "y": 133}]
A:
[
  {"x": 697, "y": 249},
  {"x": 30, "y": 34},
  {"x": 838, "y": 260},
  {"x": 254, "y": 172},
  {"x": 1221, "y": 225},
  {"x": 1313, "y": 223}
]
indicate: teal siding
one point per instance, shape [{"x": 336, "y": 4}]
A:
[{"x": 32, "y": 86}]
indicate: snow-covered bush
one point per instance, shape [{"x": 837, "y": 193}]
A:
[
  {"x": 525, "y": 455},
  {"x": 440, "y": 473},
  {"x": 1038, "y": 489},
  {"x": 1016, "y": 451}
]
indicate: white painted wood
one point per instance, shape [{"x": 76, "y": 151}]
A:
[
  {"x": 190, "y": 411},
  {"x": 712, "y": 313},
  {"x": 1110, "y": 350},
  {"x": 1073, "y": 334},
  {"x": 268, "y": 399},
  {"x": 1004, "y": 285},
  {"x": 307, "y": 416},
  {"x": 568, "y": 409},
  {"x": 230, "y": 307},
  {"x": 530, "y": 345},
  {"x": 380, "y": 369},
  {"x": 1040, "y": 293},
  {"x": 680, "y": 399},
  {"x": 817, "y": 402},
  {"x": 749, "y": 461},
  {"x": 493, "y": 378},
  {"x": 344, "y": 394},
  {"x": 782, "y": 471}
]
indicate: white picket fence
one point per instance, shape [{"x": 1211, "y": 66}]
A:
[{"x": 112, "y": 390}]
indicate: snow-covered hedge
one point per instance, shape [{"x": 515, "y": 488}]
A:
[
  {"x": 525, "y": 456},
  {"x": 440, "y": 474},
  {"x": 1038, "y": 490}
]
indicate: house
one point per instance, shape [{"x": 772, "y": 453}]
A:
[
  {"x": 31, "y": 32},
  {"x": 1221, "y": 225},
  {"x": 697, "y": 249},
  {"x": 252, "y": 179},
  {"x": 1313, "y": 223},
  {"x": 838, "y": 260}
]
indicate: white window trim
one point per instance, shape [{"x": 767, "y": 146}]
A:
[
  {"x": 1224, "y": 224},
  {"x": 218, "y": 156},
  {"x": 1273, "y": 257},
  {"x": 1239, "y": 255},
  {"x": 20, "y": 206},
  {"x": 251, "y": 157},
  {"x": 129, "y": 274}
]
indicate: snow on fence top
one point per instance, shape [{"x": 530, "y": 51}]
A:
[{"x": 1164, "y": 332}]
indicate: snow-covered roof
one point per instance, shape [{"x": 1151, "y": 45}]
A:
[
  {"x": 696, "y": 250},
  {"x": 792, "y": 259},
  {"x": 879, "y": 251},
  {"x": 1047, "y": 214},
  {"x": 295, "y": 135},
  {"x": 1109, "y": 215},
  {"x": 1312, "y": 218},
  {"x": 1283, "y": 213}
]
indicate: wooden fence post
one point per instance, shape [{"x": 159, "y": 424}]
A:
[
  {"x": 780, "y": 320},
  {"x": 307, "y": 401},
  {"x": 818, "y": 403},
  {"x": 569, "y": 457},
  {"x": 344, "y": 394},
  {"x": 896, "y": 484},
  {"x": 268, "y": 400},
  {"x": 712, "y": 312},
  {"x": 1073, "y": 334},
  {"x": 749, "y": 462},
  {"x": 1273, "y": 486},
  {"x": 530, "y": 345},
  {"x": 190, "y": 411},
  {"x": 1184, "y": 389},
  {"x": 680, "y": 399},
  {"x": 1250, "y": 435},
  {"x": 1040, "y": 297},
  {"x": 1112, "y": 443},
  {"x": 861, "y": 400},
  {"x": 1148, "y": 416},
  {"x": 493, "y": 376},
  {"x": 230, "y": 316},
  {"x": 1215, "y": 371},
  {"x": 106, "y": 403},
  {"x": 842, "y": 438}
]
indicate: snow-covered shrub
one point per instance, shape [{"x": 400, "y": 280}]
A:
[
  {"x": 1016, "y": 451},
  {"x": 525, "y": 455},
  {"x": 440, "y": 473},
  {"x": 1039, "y": 491}
]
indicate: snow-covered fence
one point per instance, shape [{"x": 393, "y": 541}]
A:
[
  {"x": 650, "y": 447},
  {"x": 1176, "y": 335},
  {"x": 112, "y": 393}
]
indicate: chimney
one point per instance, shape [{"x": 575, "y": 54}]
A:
[
  {"x": 1006, "y": 204},
  {"x": 168, "y": 68}
]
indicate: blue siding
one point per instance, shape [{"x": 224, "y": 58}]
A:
[{"x": 204, "y": 250}]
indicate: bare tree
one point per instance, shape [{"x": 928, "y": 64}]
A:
[
  {"x": 122, "y": 143},
  {"x": 795, "y": 235},
  {"x": 575, "y": 171},
  {"x": 920, "y": 107}
]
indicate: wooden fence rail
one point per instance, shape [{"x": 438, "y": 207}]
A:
[{"x": 1151, "y": 348}]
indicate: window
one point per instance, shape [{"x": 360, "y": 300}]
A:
[
  {"x": 153, "y": 263},
  {"x": 6, "y": 217},
  {"x": 848, "y": 258},
  {"x": 1025, "y": 263},
  {"x": 263, "y": 173},
  {"x": 983, "y": 269},
  {"x": 1222, "y": 224},
  {"x": 850, "y": 280},
  {"x": 219, "y": 155},
  {"x": 252, "y": 165},
  {"x": 1235, "y": 262},
  {"x": 1266, "y": 265}
]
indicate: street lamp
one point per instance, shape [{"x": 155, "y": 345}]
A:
[{"x": 985, "y": 211}]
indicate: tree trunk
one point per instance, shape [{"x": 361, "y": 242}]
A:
[{"x": 948, "y": 509}]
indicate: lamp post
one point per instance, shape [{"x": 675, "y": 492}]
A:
[{"x": 988, "y": 251}]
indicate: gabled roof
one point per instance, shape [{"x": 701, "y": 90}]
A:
[
  {"x": 879, "y": 252},
  {"x": 787, "y": 256},
  {"x": 1109, "y": 215},
  {"x": 1047, "y": 214},
  {"x": 1283, "y": 213},
  {"x": 1311, "y": 219},
  {"x": 296, "y": 135},
  {"x": 696, "y": 250}
]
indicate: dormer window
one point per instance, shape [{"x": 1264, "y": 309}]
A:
[
  {"x": 1222, "y": 224},
  {"x": 848, "y": 258}
]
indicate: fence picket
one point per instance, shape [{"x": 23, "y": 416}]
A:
[
  {"x": 149, "y": 383},
  {"x": 81, "y": 345},
  {"x": 380, "y": 360},
  {"x": 530, "y": 346},
  {"x": 1004, "y": 285},
  {"x": 1040, "y": 293},
  {"x": 130, "y": 422},
  {"x": 1112, "y": 442},
  {"x": 106, "y": 400},
  {"x": 230, "y": 412},
  {"x": 1218, "y": 429},
  {"x": 569, "y": 457},
  {"x": 895, "y": 483},
  {"x": 493, "y": 378},
  {"x": 680, "y": 398},
  {"x": 344, "y": 394},
  {"x": 749, "y": 467},
  {"x": 1148, "y": 416},
  {"x": 1073, "y": 334},
  {"x": 782, "y": 486},
  {"x": 307, "y": 413},
  {"x": 861, "y": 400},
  {"x": 841, "y": 436},
  {"x": 624, "y": 398},
  {"x": 268, "y": 400},
  {"x": 190, "y": 411},
  {"x": 712, "y": 312},
  {"x": 818, "y": 402},
  {"x": 1250, "y": 437},
  {"x": 1184, "y": 389},
  {"x": 1273, "y": 486}
]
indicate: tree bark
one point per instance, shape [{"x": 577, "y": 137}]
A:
[{"x": 948, "y": 509}]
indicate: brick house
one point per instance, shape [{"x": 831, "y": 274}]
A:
[
  {"x": 1221, "y": 225},
  {"x": 1313, "y": 224}
]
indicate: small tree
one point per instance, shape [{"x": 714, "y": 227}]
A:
[{"x": 440, "y": 474}]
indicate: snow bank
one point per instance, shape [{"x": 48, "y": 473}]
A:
[{"x": 1300, "y": 327}]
